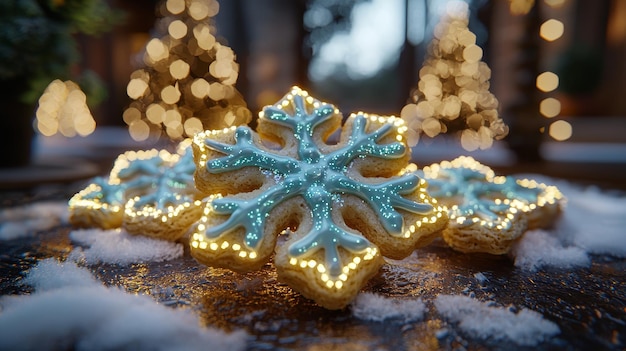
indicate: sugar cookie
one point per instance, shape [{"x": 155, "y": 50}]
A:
[
  {"x": 344, "y": 205},
  {"x": 100, "y": 204},
  {"x": 488, "y": 212},
  {"x": 147, "y": 192}
]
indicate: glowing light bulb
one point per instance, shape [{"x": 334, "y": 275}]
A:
[
  {"x": 560, "y": 130},
  {"x": 547, "y": 81},
  {"x": 551, "y": 30}
]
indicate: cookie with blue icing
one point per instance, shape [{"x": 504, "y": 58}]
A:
[
  {"x": 100, "y": 204},
  {"x": 488, "y": 213},
  {"x": 148, "y": 192},
  {"x": 342, "y": 206},
  {"x": 163, "y": 202}
]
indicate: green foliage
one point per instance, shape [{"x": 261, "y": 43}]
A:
[{"x": 37, "y": 43}]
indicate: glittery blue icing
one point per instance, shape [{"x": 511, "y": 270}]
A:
[
  {"x": 167, "y": 184},
  {"x": 319, "y": 178},
  {"x": 512, "y": 190},
  {"x": 155, "y": 181},
  {"x": 473, "y": 187},
  {"x": 112, "y": 194}
]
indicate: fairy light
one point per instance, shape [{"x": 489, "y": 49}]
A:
[
  {"x": 63, "y": 109},
  {"x": 88, "y": 206},
  {"x": 547, "y": 81},
  {"x": 338, "y": 281},
  {"x": 550, "y": 107},
  {"x": 188, "y": 71},
  {"x": 200, "y": 241},
  {"x": 560, "y": 130},
  {"x": 452, "y": 94},
  {"x": 551, "y": 30}
]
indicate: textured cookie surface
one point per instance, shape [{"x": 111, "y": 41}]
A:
[
  {"x": 488, "y": 213},
  {"x": 100, "y": 204},
  {"x": 147, "y": 192},
  {"x": 287, "y": 177}
]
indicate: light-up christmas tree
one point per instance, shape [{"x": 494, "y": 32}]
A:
[
  {"x": 452, "y": 95},
  {"x": 188, "y": 81}
]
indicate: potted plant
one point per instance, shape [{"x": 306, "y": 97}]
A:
[{"x": 38, "y": 45}]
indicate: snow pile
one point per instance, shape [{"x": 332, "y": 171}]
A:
[
  {"x": 27, "y": 220},
  {"x": 85, "y": 315},
  {"x": 592, "y": 222},
  {"x": 595, "y": 221},
  {"x": 539, "y": 248},
  {"x": 50, "y": 274},
  {"x": 377, "y": 308},
  {"x": 116, "y": 246},
  {"x": 480, "y": 320}
]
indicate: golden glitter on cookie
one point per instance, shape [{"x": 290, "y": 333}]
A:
[
  {"x": 488, "y": 212},
  {"x": 149, "y": 193},
  {"x": 100, "y": 204},
  {"x": 344, "y": 204},
  {"x": 541, "y": 203}
]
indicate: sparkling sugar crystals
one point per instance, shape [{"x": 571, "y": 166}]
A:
[
  {"x": 488, "y": 212},
  {"x": 147, "y": 192},
  {"x": 341, "y": 205}
]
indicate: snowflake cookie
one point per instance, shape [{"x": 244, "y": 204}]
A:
[
  {"x": 150, "y": 193},
  {"x": 488, "y": 212},
  {"x": 343, "y": 206}
]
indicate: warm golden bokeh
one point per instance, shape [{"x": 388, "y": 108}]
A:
[
  {"x": 188, "y": 82},
  {"x": 547, "y": 81},
  {"x": 551, "y": 30},
  {"x": 453, "y": 94},
  {"x": 63, "y": 109},
  {"x": 560, "y": 130},
  {"x": 550, "y": 107}
]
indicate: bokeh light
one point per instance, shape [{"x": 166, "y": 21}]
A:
[
  {"x": 520, "y": 7},
  {"x": 560, "y": 130},
  {"x": 550, "y": 107},
  {"x": 452, "y": 95},
  {"x": 551, "y": 30},
  {"x": 547, "y": 81},
  {"x": 188, "y": 81},
  {"x": 63, "y": 109},
  {"x": 555, "y": 3}
]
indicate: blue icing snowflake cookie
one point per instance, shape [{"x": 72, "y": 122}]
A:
[
  {"x": 149, "y": 193},
  {"x": 344, "y": 205},
  {"x": 488, "y": 213}
]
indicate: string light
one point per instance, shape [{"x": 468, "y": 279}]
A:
[
  {"x": 63, "y": 109},
  {"x": 187, "y": 84},
  {"x": 452, "y": 94},
  {"x": 550, "y": 107},
  {"x": 551, "y": 30},
  {"x": 547, "y": 81},
  {"x": 560, "y": 130}
]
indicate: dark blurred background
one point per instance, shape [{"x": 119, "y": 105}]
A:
[{"x": 364, "y": 55}]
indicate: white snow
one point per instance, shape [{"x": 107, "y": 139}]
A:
[
  {"x": 483, "y": 321},
  {"x": 592, "y": 222},
  {"x": 25, "y": 221},
  {"x": 79, "y": 313},
  {"x": 116, "y": 246},
  {"x": 50, "y": 274},
  {"x": 595, "y": 221},
  {"x": 539, "y": 248},
  {"x": 378, "y": 308}
]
